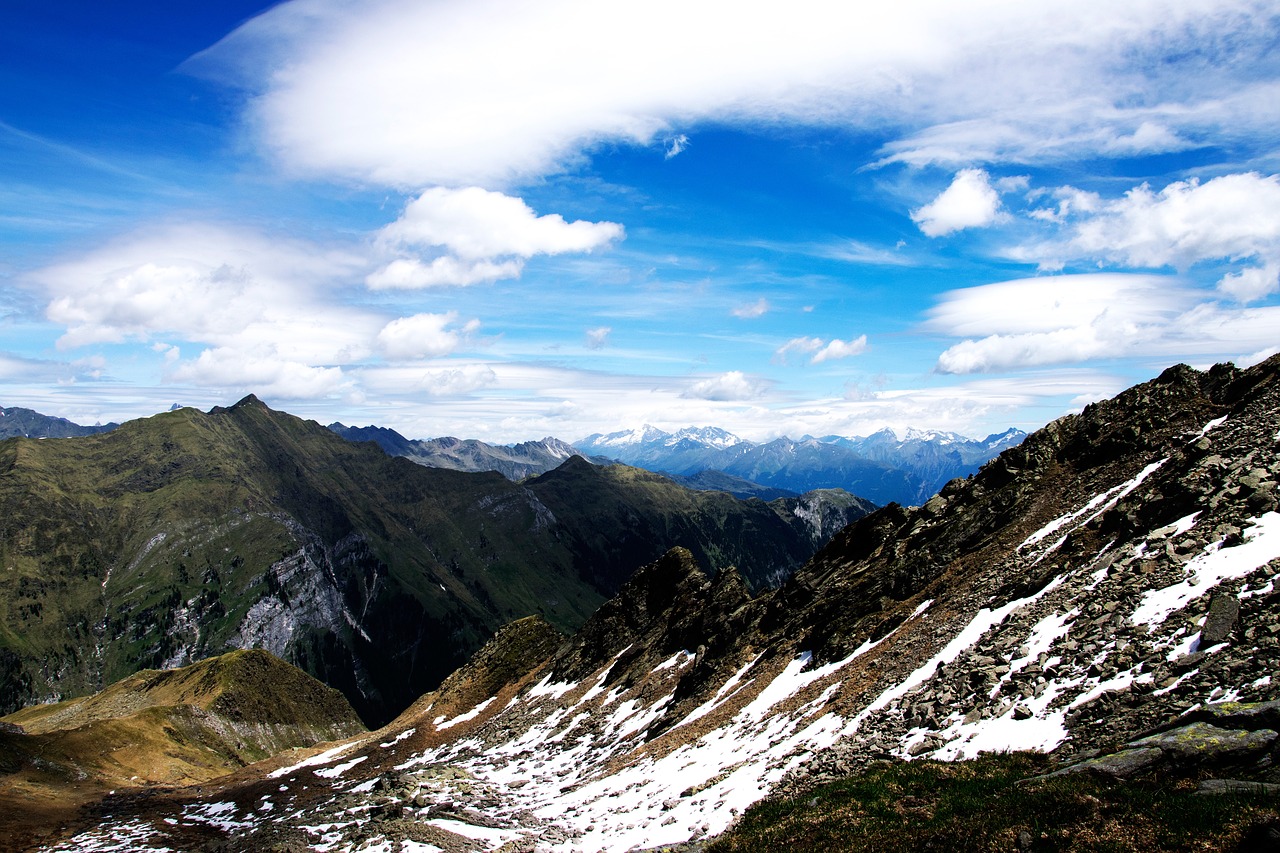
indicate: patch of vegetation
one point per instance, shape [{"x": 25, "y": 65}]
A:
[{"x": 992, "y": 803}]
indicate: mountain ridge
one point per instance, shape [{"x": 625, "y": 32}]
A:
[
  {"x": 181, "y": 536},
  {"x": 1101, "y": 581}
]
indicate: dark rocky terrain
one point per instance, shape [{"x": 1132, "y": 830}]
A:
[{"x": 1104, "y": 594}]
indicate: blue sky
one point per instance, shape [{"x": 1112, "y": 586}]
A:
[{"x": 505, "y": 220}]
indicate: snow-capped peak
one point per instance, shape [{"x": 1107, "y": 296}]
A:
[
  {"x": 933, "y": 435},
  {"x": 709, "y": 436},
  {"x": 646, "y": 434}
]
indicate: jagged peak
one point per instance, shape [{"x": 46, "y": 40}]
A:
[{"x": 250, "y": 401}]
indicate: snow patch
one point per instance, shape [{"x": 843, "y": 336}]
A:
[
  {"x": 1212, "y": 566},
  {"x": 335, "y": 772},
  {"x": 462, "y": 718},
  {"x": 323, "y": 758},
  {"x": 395, "y": 740}
]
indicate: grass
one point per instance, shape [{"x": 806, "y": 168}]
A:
[{"x": 984, "y": 805}]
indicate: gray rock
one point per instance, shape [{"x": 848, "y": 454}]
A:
[
  {"x": 1224, "y": 610},
  {"x": 1238, "y": 715},
  {"x": 1203, "y": 742},
  {"x": 1121, "y": 764},
  {"x": 1236, "y": 786}
]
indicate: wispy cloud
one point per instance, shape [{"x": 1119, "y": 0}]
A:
[
  {"x": 1235, "y": 217},
  {"x": 676, "y": 145},
  {"x": 751, "y": 310},
  {"x": 598, "y": 337},
  {"x": 732, "y": 386},
  {"x": 820, "y": 350}
]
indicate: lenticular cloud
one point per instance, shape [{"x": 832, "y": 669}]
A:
[{"x": 498, "y": 92}]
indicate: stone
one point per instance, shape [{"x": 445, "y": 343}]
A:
[
  {"x": 1224, "y": 611},
  {"x": 1236, "y": 786},
  {"x": 1121, "y": 764},
  {"x": 1203, "y": 742}
]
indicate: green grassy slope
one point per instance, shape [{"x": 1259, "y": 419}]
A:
[{"x": 181, "y": 536}]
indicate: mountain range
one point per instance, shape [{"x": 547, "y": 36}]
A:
[
  {"x": 188, "y": 534},
  {"x": 514, "y": 461},
  {"x": 17, "y": 421},
  {"x": 883, "y": 467},
  {"x": 1104, "y": 595}
]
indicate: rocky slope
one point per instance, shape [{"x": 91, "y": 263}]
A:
[
  {"x": 185, "y": 535},
  {"x": 1105, "y": 593}
]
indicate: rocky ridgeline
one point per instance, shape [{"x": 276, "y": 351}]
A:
[{"x": 1105, "y": 592}]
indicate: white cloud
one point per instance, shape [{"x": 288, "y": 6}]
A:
[
  {"x": 423, "y": 336},
  {"x": 821, "y": 350},
  {"x": 1233, "y": 217},
  {"x": 1065, "y": 319},
  {"x": 751, "y": 310},
  {"x": 456, "y": 381},
  {"x": 1070, "y": 201},
  {"x": 210, "y": 284},
  {"x": 969, "y": 202},
  {"x": 1149, "y": 137},
  {"x": 485, "y": 236},
  {"x": 473, "y": 224},
  {"x": 261, "y": 371},
  {"x": 495, "y": 92},
  {"x": 802, "y": 345},
  {"x": 597, "y": 338},
  {"x": 837, "y": 349},
  {"x": 731, "y": 386},
  {"x": 1049, "y": 303},
  {"x": 676, "y": 145},
  {"x": 1251, "y": 283}
]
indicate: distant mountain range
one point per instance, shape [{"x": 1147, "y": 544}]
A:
[
  {"x": 515, "y": 461},
  {"x": 25, "y": 423},
  {"x": 883, "y": 467}
]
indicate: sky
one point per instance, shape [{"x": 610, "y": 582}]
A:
[{"x": 506, "y": 220}]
